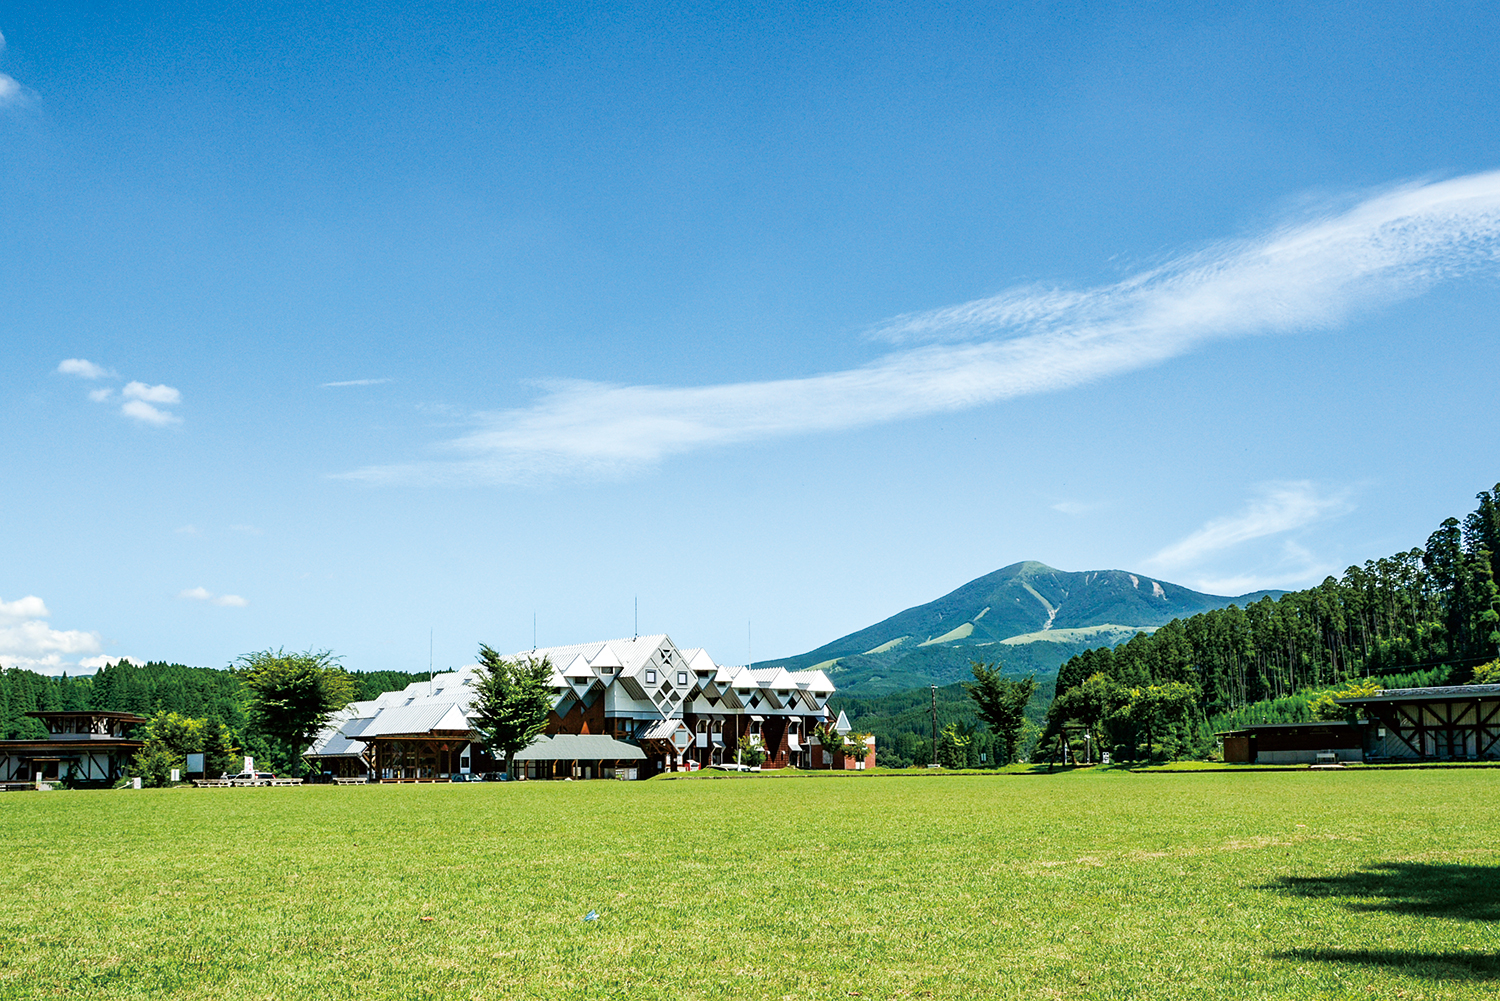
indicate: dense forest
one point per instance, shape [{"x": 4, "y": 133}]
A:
[
  {"x": 201, "y": 693},
  {"x": 1422, "y": 617}
]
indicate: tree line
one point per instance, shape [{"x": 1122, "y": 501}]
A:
[
  {"x": 1429, "y": 615},
  {"x": 193, "y": 709}
]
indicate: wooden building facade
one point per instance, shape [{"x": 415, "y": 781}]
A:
[{"x": 82, "y": 748}]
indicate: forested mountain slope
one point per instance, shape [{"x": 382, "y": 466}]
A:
[{"x": 1029, "y": 616}]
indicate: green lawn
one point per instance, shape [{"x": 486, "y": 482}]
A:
[{"x": 1377, "y": 884}]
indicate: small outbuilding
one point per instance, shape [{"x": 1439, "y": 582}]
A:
[{"x": 1318, "y": 742}]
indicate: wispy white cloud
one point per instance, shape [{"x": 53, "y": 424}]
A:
[
  {"x": 246, "y": 529},
  {"x": 204, "y": 594},
  {"x": 83, "y": 368},
  {"x": 147, "y": 414},
  {"x": 28, "y": 642},
  {"x": 1280, "y": 507},
  {"x": 1311, "y": 274},
  {"x": 355, "y": 382},
  {"x": 1292, "y": 565},
  {"x": 100, "y": 395},
  {"x": 1075, "y": 508}
]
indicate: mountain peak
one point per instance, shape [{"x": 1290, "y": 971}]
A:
[{"x": 1000, "y": 615}]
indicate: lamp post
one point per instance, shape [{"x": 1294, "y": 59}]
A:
[{"x": 934, "y": 724}]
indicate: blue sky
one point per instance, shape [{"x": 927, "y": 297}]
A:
[{"x": 330, "y": 327}]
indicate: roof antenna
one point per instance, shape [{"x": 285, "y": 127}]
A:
[{"x": 637, "y": 616}]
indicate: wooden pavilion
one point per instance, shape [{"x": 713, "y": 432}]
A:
[{"x": 82, "y": 747}]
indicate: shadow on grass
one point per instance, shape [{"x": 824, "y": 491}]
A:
[
  {"x": 1466, "y": 892},
  {"x": 1461, "y": 892},
  {"x": 1424, "y": 965}
]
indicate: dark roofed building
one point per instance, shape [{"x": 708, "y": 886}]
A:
[
  {"x": 1452, "y": 723},
  {"x": 82, "y": 747},
  {"x": 1294, "y": 743}
]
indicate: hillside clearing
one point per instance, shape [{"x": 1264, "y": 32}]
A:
[{"x": 1080, "y": 885}]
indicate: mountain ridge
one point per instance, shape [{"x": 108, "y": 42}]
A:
[{"x": 1035, "y": 615}]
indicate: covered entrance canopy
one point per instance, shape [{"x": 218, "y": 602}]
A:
[{"x": 577, "y": 755}]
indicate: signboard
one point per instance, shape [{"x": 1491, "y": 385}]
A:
[
  {"x": 195, "y": 764},
  {"x": 249, "y": 764},
  {"x": 176, "y": 775}
]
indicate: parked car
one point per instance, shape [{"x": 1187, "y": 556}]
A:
[{"x": 250, "y": 779}]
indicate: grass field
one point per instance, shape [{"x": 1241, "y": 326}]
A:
[{"x": 1076, "y": 885}]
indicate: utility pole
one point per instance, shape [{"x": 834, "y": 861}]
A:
[{"x": 934, "y": 724}]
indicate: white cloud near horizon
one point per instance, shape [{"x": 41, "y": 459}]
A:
[
  {"x": 1302, "y": 276},
  {"x": 354, "y": 382},
  {"x": 94, "y": 663},
  {"x": 28, "y": 642},
  {"x": 222, "y": 600}
]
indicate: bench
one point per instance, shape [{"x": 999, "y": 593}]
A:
[{"x": 340, "y": 780}]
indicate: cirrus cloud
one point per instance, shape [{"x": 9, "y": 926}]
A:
[{"x": 1312, "y": 274}]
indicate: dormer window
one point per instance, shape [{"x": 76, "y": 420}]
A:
[{"x": 650, "y": 677}]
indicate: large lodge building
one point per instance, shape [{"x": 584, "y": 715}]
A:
[{"x": 624, "y": 708}]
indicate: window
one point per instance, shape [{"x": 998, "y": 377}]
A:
[
  {"x": 682, "y": 678},
  {"x": 650, "y": 677}
]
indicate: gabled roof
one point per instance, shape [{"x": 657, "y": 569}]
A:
[
  {"x": 336, "y": 745},
  {"x": 414, "y": 719},
  {"x": 1443, "y": 693},
  {"x": 632, "y": 653},
  {"x": 662, "y": 729},
  {"x": 580, "y": 747},
  {"x": 578, "y": 668}
]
